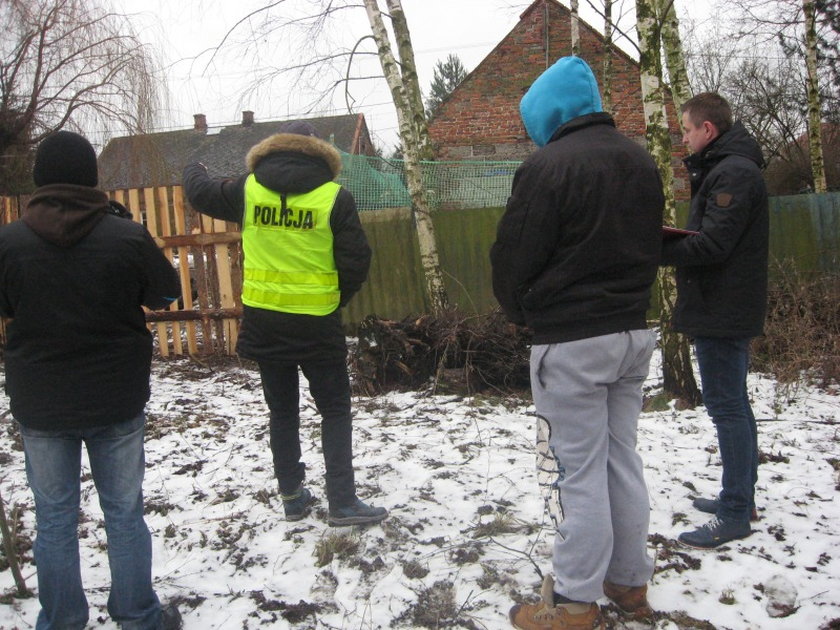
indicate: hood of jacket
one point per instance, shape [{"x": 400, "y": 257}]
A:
[
  {"x": 564, "y": 91},
  {"x": 64, "y": 214},
  {"x": 293, "y": 163},
  {"x": 736, "y": 141}
]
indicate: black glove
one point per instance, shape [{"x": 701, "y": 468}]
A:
[{"x": 118, "y": 210}]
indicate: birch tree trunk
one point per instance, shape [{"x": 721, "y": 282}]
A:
[
  {"x": 414, "y": 135},
  {"x": 606, "y": 83},
  {"x": 814, "y": 104},
  {"x": 575, "y": 28},
  {"x": 677, "y": 372},
  {"x": 674, "y": 57},
  {"x": 408, "y": 73}
]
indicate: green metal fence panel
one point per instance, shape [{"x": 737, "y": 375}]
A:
[
  {"x": 464, "y": 240},
  {"x": 396, "y": 287},
  {"x": 804, "y": 229}
]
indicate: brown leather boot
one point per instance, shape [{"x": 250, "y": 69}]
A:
[
  {"x": 546, "y": 616},
  {"x": 631, "y": 600}
]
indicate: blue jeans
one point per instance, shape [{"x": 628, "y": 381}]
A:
[
  {"x": 723, "y": 366},
  {"x": 117, "y": 463}
]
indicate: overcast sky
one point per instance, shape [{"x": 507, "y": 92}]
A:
[{"x": 221, "y": 85}]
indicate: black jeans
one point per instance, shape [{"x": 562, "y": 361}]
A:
[{"x": 329, "y": 385}]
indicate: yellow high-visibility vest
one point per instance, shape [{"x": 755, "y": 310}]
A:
[{"x": 288, "y": 246}]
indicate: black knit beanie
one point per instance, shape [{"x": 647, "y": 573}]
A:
[
  {"x": 299, "y": 127},
  {"x": 65, "y": 158}
]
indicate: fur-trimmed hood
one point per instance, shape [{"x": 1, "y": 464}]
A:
[{"x": 295, "y": 143}]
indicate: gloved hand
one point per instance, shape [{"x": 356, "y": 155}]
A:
[{"x": 118, "y": 210}]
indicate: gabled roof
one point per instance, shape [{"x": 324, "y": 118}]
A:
[
  {"x": 480, "y": 118},
  {"x": 157, "y": 159}
]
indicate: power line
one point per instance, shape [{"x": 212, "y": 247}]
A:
[{"x": 231, "y": 123}]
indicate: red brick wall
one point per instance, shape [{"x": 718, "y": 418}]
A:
[{"x": 480, "y": 120}]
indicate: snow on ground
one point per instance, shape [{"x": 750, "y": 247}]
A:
[{"x": 467, "y": 535}]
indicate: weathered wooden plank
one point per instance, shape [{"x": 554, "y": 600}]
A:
[
  {"x": 10, "y": 208},
  {"x": 165, "y": 226},
  {"x": 192, "y": 316},
  {"x": 203, "y": 280},
  {"x": 154, "y": 229},
  {"x": 200, "y": 239},
  {"x": 226, "y": 299},
  {"x": 184, "y": 256}
]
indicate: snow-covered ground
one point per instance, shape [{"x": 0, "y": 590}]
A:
[{"x": 467, "y": 534}]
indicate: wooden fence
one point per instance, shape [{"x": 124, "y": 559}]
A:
[
  {"x": 207, "y": 255},
  {"x": 804, "y": 229}
]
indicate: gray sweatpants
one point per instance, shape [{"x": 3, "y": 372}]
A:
[{"x": 590, "y": 394}]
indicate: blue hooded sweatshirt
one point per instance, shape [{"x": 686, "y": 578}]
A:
[{"x": 564, "y": 91}]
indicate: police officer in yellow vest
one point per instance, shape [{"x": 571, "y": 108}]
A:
[{"x": 306, "y": 255}]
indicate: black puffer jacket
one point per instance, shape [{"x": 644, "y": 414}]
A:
[
  {"x": 722, "y": 272},
  {"x": 578, "y": 246},
  {"x": 290, "y": 163},
  {"x": 73, "y": 277}
]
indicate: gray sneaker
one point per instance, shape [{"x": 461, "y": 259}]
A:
[
  {"x": 358, "y": 513},
  {"x": 715, "y": 533}
]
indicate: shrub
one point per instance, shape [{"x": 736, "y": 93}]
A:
[{"x": 802, "y": 331}]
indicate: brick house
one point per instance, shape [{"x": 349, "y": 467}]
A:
[
  {"x": 157, "y": 159},
  {"x": 480, "y": 119}
]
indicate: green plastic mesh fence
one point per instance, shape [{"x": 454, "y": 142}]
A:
[{"x": 378, "y": 183}]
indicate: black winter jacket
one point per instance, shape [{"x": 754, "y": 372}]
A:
[
  {"x": 578, "y": 246},
  {"x": 294, "y": 164},
  {"x": 73, "y": 278},
  {"x": 722, "y": 271}
]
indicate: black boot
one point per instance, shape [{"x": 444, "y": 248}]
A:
[
  {"x": 296, "y": 505},
  {"x": 358, "y": 513}
]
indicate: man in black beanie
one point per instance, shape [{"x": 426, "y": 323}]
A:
[
  {"x": 65, "y": 158},
  {"x": 73, "y": 280}
]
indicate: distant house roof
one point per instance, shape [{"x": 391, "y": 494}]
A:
[{"x": 157, "y": 159}]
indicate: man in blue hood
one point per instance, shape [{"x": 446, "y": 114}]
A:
[{"x": 576, "y": 253}]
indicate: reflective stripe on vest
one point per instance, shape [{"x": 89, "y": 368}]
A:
[{"x": 288, "y": 247}]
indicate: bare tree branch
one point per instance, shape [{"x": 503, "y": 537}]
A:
[
  {"x": 614, "y": 23},
  {"x": 67, "y": 63}
]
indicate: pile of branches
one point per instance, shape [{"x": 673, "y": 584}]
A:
[{"x": 450, "y": 352}]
